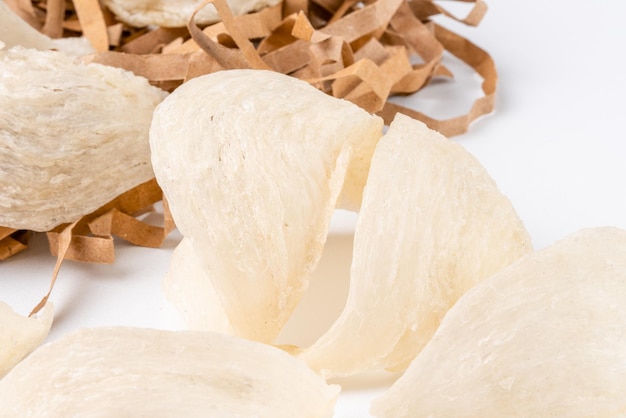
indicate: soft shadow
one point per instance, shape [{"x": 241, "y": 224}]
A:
[
  {"x": 326, "y": 296},
  {"x": 365, "y": 381},
  {"x": 321, "y": 306}
]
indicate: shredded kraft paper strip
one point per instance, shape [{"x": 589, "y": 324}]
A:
[
  {"x": 12, "y": 241},
  {"x": 91, "y": 237},
  {"x": 362, "y": 51}
]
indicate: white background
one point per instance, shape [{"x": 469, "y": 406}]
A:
[{"x": 555, "y": 146}]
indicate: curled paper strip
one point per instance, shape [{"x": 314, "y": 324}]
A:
[
  {"x": 362, "y": 53},
  {"x": 92, "y": 22},
  {"x": 12, "y": 241},
  {"x": 64, "y": 241},
  {"x": 92, "y": 235}
]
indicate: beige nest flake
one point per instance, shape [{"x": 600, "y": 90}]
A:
[
  {"x": 14, "y": 31},
  {"x": 253, "y": 162},
  {"x": 126, "y": 372},
  {"x": 432, "y": 225},
  {"x": 20, "y": 335},
  {"x": 545, "y": 337},
  {"x": 72, "y": 136},
  {"x": 176, "y": 13}
]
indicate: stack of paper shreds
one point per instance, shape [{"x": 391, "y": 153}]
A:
[{"x": 364, "y": 52}]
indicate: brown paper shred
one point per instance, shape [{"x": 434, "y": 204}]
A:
[
  {"x": 91, "y": 18},
  {"x": 416, "y": 34},
  {"x": 227, "y": 58},
  {"x": 363, "y": 21},
  {"x": 303, "y": 29},
  {"x": 300, "y": 49},
  {"x": 5, "y": 232},
  {"x": 343, "y": 9},
  {"x": 114, "y": 33},
  {"x": 155, "y": 67},
  {"x": 405, "y": 78},
  {"x": 72, "y": 25},
  {"x": 245, "y": 46},
  {"x": 329, "y": 5},
  {"x": 473, "y": 18},
  {"x": 199, "y": 64},
  {"x": 245, "y": 57},
  {"x": 280, "y": 37},
  {"x": 442, "y": 71},
  {"x": 424, "y": 9},
  {"x": 290, "y": 58},
  {"x": 363, "y": 83},
  {"x": 92, "y": 235},
  {"x": 12, "y": 241},
  {"x": 63, "y": 244},
  {"x": 53, "y": 26},
  {"x": 415, "y": 78},
  {"x": 251, "y": 26},
  {"x": 151, "y": 42},
  {"x": 374, "y": 50},
  {"x": 290, "y": 7},
  {"x": 129, "y": 229},
  {"x": 89, "y": 249},
  {"x": 476, "y": 58}
]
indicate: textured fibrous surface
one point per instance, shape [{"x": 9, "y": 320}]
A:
[
  {"x": 176, "y": 13},
  {"x": 252, "y": 164},
  {"x": 433, "y": 224},
  {"x": 545, "y": 337},
  {"x": 124, "y": 372},
  {"x": 72, "y": 136},
  {"x": 20, "y": 335}
]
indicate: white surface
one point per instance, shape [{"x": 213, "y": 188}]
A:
[{"x": 555, "y": 146}]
